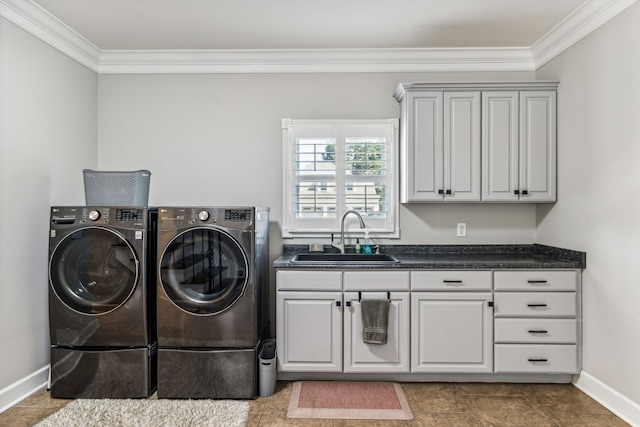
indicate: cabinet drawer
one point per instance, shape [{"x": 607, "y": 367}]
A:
[
  {"x": 308, "y": 280},
  {"x": 535, "y": 331},
  {"x": 523, "y": 358},
  {"x": 533, "y": 280},
  {"x": 376, "y": 280},
  {"x": 535, "y": 304},
  {"x": 451, "y": 280}
]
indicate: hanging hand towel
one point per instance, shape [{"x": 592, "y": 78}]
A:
[{"x": 375, "y": 320}]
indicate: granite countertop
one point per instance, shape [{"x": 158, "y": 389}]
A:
[{"x": 458, "y": 257}]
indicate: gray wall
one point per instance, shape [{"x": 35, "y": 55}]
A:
[
  {"x": 200, "y": 134},
  {"x": 48, "y": 130},
  {"x": 216, "y": 140},
  {"x": 598, "y": 209}
]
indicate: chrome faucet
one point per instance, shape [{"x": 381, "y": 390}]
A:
[{"x": 340, "y": 245}]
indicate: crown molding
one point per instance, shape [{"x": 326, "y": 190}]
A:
[
  {"x": 315, "y": 61},
  {"x": 588, "y": 17},
  {"x": 40, "y": 23}
]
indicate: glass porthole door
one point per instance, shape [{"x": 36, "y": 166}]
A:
[
  {"x": 204, "y": 271},
  {"x": 94, "y": 270}
]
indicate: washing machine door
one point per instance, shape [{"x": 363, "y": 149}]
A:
[
  {"x": 94, "y": 270},
  {"x": 204, "y": 271}
]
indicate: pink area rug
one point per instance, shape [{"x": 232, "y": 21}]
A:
[{"x": 348, "y": 400}]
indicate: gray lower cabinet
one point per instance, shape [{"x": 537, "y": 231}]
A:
[
  {"x": 537, "y": 326},
  {"x": 451, "y": 332},
  {"x": 309, "y": 321},
  {"x": 319, "y": 321},
  {"x": 393, "y": 356},
  {"x": 451, "y": 321},
  {"x": 469, "y": 321}
]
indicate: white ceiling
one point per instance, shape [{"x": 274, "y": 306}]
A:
[
  {"x": 310, "y": 24},
  {"x": 282, "y": 36}
]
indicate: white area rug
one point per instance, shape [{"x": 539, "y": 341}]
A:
[{"x": 149, "y": 412}]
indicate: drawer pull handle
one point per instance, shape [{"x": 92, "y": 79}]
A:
[
  {"x": 533, "y": 282},
  {"x": 453, "y": 282},
  {"x": 538, "y": 331},
  {"x": 538, "y": 360},
  {"x": 536, "y": 305}
]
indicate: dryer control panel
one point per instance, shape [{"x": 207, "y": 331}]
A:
[
  {"x": 237, "y": 215},
  {"x": 232, "y": 217}
]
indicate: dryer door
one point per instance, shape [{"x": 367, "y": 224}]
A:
[
  {"x": 94, "y": 270},
  {"x": 204, "y": 271}
]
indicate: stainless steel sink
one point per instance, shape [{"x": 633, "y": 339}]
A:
[{"x": 334, "y": 258}]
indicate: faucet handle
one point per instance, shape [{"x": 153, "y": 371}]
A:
[{"x": 376, "y": 249}]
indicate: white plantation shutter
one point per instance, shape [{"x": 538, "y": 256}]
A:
[{"x": 334, "y": 166}]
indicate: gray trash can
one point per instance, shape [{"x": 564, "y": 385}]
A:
[{"x": 267, "y": 374}]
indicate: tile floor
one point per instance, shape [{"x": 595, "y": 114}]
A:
[{"x": 433, "y": 404}]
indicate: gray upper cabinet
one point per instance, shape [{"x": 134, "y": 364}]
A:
[
  {"x": 472, "y": 142},
  {"x": 440, "y": 147},
  {"x": 519, "y": 146}
]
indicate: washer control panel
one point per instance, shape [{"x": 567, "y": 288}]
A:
[
  {"x": 126, "y": 217},
  {"x": 132, "y": 214}
]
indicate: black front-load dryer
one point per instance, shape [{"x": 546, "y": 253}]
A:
[
  {"x": 101, "y": 309},
  {"x": 212, "y": 300}
]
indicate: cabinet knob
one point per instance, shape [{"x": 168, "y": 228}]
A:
[
  {"x": 516, "y": 192},
  {"x": 338, "y": 303},
  {"x": 525, "y": 192},
  {"x": 440, "y": 191},
  {"x": 448, "y": 191}
]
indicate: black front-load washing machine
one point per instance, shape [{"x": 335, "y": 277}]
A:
[
  {"x": 102, "y": 302},
  {"x": 212, "y": 300}
]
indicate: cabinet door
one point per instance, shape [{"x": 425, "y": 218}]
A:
[
  {"x": 537, "y": 146},
  {"x": 500, "y": 135},
  {"x": 461, "y": 146},
  {"x": 451, "y": 332},
  {"x": 390, "y": 357},
  {"x": 422, "y": 147},
  {"x": 309, "y": 331}
]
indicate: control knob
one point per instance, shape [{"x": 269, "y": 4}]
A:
[
  {"x": 94, "y": 215},
  {"x": 203, "y": 215}
]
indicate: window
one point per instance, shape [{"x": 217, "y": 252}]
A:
[{"x": 331, "y": 167}]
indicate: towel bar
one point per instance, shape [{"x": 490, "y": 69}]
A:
[{"x": 360, "y": 295}]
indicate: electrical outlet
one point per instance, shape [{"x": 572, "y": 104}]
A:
[{"x": 462, "y": 229}]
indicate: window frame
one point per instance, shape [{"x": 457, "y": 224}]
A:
[{"x": 340, "y": 131}]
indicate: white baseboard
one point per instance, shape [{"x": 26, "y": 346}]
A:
[
  {"x": 23, "y": 388},
  {"x": 611, "y": 399}
]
